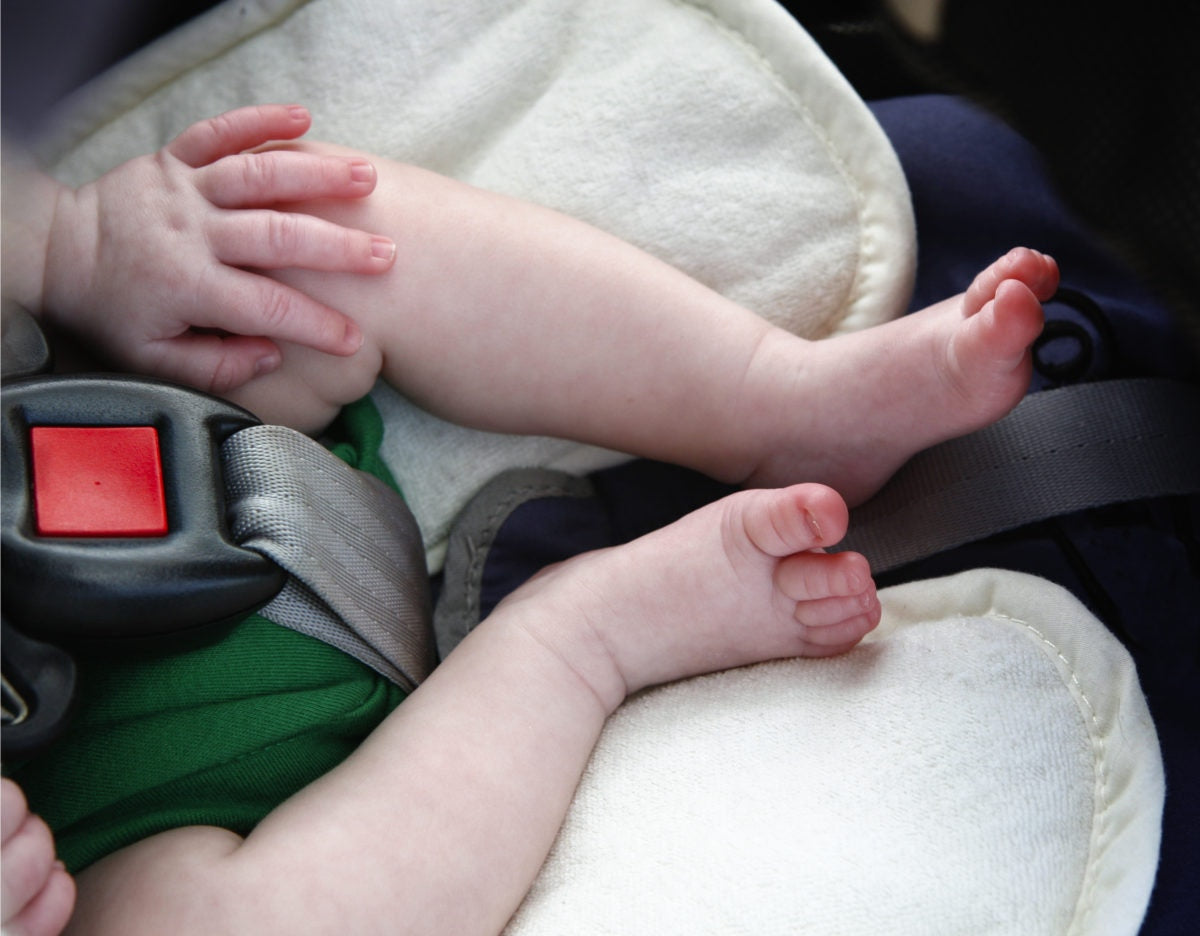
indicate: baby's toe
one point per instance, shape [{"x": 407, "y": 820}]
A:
[
  {"x": 837, "y": 638},
  {"x": 1044, "y": 283},
  {"x": 779, "y": 522},
  {"x": 828, "y": 613},
  {"x": 1000, "y": 336},
  {"x": 1036, "y": 270},
  {"x": 814, "y": 575}
]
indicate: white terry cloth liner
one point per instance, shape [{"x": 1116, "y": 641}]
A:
[
  {"x": 714, "y": 134},
  {"x": 985, "y": 764}
]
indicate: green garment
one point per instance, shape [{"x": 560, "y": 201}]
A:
[{"x": 217, "y": 734}]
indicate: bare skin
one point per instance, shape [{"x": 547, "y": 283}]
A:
[
  {"x": 440, "y": 821},
  {"x": 504, "y": 316},
  {"x": 491, "y": 312},
  {"x": 37, "y": 894},
  {"x": 148, "y": 264}
]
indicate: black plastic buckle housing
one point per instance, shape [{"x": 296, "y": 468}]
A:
[
  {"x": 57, "y": 587},
  {"x": 37, "y": 693}
]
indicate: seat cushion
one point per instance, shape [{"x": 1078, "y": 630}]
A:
[
  {"x": 985, "y": 762},
  {"x": 714, "y": 134}
]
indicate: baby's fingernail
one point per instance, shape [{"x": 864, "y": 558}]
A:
[
  {"x": 362, "y": 171},
  {"x": 352, "y": 337},
  {"x": 383, "y": 248},
  {"x": 296, "y": 112},
  {"x": 266, "y": 364}
]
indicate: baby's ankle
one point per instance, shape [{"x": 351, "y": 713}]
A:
[
  {"x": 766, "y": 416},
  {"x": 550, "y": 613}
]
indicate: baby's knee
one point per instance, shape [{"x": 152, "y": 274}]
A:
[{"x": 309, "y": 388}]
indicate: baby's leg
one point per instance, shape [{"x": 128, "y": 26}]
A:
[
  {"x": 501, "y": 315},
  {"x": 880, "y": 395},
  {"x": 441, "y": 820},
  {"x": 739, "y": 581}
]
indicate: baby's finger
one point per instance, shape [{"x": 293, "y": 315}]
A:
[
  {"x": 12, "y": 808},
  {"x": 276, "y": 240},
  {"x": 28, "y": 862},
  {"x": 49, "y": 910},
  {"x": 214, "y": 363},
  {"x": 237, "y": 130},
  {"x": 244, "y": 303},
  {"x": 260, "y": 179}
]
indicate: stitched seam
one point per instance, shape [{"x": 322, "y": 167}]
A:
[
  {"x": 1085, "y": 901},
  {"x": 1026, "y": 458},
  {"x": 855, "y": 293},
  {"x": 473, "y": 580},
  {"x": 1077, "y": 447}
]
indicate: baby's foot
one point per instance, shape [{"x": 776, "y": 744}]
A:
[
  {"x": 876, "y": 397},
  {"x": 38, "y": 894},
  {"x": 739, "y": 581}
]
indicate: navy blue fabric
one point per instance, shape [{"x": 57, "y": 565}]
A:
[
  {"x": 629, "y": 501},
  {"x": 979, "y": 189}
]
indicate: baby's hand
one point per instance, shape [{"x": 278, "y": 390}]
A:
[
  {"x": 154, "y": 262},
  {"x": 37, "y": 893}
]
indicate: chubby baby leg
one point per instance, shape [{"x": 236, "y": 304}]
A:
[
  {"x": 448, "y": 809},
  {"x": 878, "y": 396},
  {"x": 502, "y": 315}
]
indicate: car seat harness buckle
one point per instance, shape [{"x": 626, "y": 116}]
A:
[{"x": 137, "y": 509}]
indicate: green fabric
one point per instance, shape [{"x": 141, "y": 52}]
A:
[
  {"x": 215, "y": 734},
  {"x": 355, "y": 438}
]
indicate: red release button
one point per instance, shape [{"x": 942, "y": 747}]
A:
[{"x": 97, "y": 481}]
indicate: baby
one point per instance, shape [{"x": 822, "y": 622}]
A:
[{"x": 504, "y": 316}]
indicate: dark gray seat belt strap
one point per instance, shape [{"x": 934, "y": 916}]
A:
[
  {"x": 356, "y": 561},
  {"x": 1058, "y": 452}
]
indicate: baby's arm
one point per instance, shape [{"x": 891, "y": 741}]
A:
[{"x": 152, "y": 263}]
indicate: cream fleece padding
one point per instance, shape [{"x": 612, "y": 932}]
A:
[
  {"x": 714, "y": 134},
  {"x": 986, "y": 764}
]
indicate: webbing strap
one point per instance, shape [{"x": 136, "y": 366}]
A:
[
  {"x": 352, "y": 548},
  {"x": 1058, "y": 452}
]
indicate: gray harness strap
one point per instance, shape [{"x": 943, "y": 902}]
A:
[
  {"x": 354, "y": 552},
  {"x": 352, "y": 548},
  {"x": 1058, "y": 452}
]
